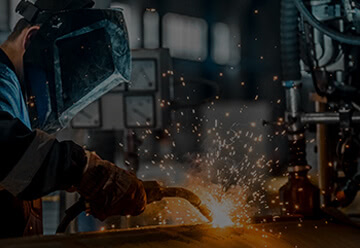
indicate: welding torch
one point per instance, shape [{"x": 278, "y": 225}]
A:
[{"x": 154, "y": 192}]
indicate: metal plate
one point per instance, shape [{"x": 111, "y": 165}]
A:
[{"x": 278, "y": 235}]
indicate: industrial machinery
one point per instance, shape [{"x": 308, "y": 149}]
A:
[{"x": 321, "y": 38}]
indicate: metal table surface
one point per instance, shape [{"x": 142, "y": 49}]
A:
[{"x": 279, "y": 235}]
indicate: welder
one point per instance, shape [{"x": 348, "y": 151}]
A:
[{"x": 33, "y": 162}]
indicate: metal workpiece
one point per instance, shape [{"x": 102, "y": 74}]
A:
[
  {"x": 326, "y": 118},
  {"x": 278, "y": 234}
]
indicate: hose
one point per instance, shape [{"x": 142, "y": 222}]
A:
[
  {"x": 335, "y": 35},
  {"x": 71, "y": 214},
  {"x": 290, "y": 62},
  {"x": 290, "y": 58}
]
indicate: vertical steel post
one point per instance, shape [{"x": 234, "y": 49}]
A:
[
  {"x": 323, "y": 159},
  {"x": 298, "y": 196}
]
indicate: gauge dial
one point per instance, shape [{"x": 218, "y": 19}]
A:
[
  {"x": 143, "y": 76},
  {"x": 139, "y": 111},
  {"x": 88, "y": 117}
]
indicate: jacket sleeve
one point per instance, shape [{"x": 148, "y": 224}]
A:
[{"x": 34, "y": 164}]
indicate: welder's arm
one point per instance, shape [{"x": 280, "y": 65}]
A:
[
  {"x": 110, "y": 190},
  {"x": 34, "y": 164}
]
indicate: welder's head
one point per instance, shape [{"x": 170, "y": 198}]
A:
[
  {"x": 56, "y": 5},
  {"x": 28, "y": 25},
  {"x": 73, "y": 55},
  {"x": 32, "y": 11}
]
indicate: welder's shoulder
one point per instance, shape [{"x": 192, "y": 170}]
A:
[
  {"x": 9, "y": 82},
  {"x": 10, "y": 91},
  {"x": 6, "y": 74}
]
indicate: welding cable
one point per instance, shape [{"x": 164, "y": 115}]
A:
[
  {"x": 71, "y": 214},
  {"x": 290, "y": 58},
  {"x": 335, "y": 35}
]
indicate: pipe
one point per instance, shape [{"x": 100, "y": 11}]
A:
[
  {"x": 298, "y": 195},
  {"x": 335, "y": 35},
  {"x": 325, "y": 118},
  {"x": 290, "y": 61}
]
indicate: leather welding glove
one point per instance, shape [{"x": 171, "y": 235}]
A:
[
  {"x": 110, "y": 190},
  {"x": 346, "y": 195}
]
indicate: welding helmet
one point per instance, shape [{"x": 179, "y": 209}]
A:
[{"x": 78, "y": 55}]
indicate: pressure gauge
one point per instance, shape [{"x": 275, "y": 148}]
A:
[
  {"x": 139, "y": 111},
  {"x": 143, "y": 77},
  {"x": 89, "y": 117}
]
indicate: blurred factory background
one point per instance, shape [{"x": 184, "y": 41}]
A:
[
  {"x": 251, "y": 105},
  {"x": 225, "y": 73}
]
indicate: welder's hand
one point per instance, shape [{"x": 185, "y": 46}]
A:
[
  {"x": 340, "y": 196},
  {"x": 110, "y": 190},
  {"x": 154, "y": 191},
  {"x": 346, "y": 195},
  {"x": 344, "y": 199}
]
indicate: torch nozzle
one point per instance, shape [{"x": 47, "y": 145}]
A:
[{"x": 155, "y": 192}]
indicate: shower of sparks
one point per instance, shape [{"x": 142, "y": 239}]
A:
[
  {"x": 220, "y": 212},
  {"x": 227, "y": 208},
  {"x": 230, "y": 174},
  {"x": 229, "y": 177}
]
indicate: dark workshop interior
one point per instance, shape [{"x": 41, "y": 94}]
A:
[{"x": 193, "y": 123}]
